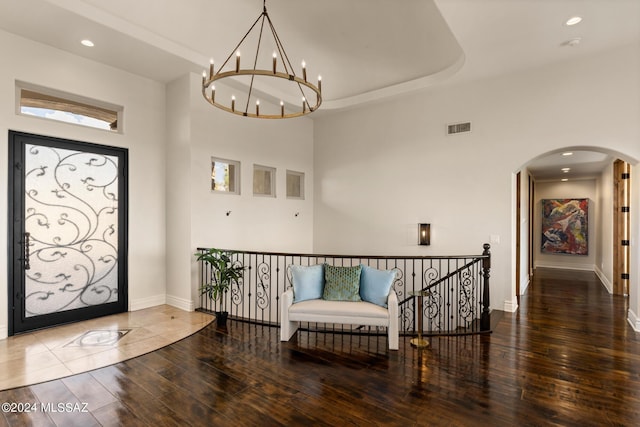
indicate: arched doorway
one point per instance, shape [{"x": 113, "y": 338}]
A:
[{"x": 609, "y": 224}]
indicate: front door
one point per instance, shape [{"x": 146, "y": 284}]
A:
[{"x": 67, "y": 231}]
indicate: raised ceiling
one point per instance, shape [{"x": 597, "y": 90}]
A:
[
  {"x": 357, "y": 46},
  {"x": 364, "y": 49}
]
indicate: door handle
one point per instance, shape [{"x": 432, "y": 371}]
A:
[{"x": 27, "y": 235}]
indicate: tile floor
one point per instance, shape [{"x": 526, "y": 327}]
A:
[{"x": 57, "y": 352}]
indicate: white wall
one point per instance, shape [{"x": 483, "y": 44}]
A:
[
  {"x": 524, "y": 231},
  {"x": 381, "y": 169},
  {"x": 178, "y": 184},
  {"x": 256, "y": 222},
  {"x": 144, "y": 114},
  {"x": 634, "y": 252},
  {"x": 604, "y": 249},
  {"x": 574, "y": 189}
]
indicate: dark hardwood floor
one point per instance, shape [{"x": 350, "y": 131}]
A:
[{"x": 568, "y": 357}]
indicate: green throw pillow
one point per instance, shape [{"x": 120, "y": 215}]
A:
[{"x": 342, "y": 283}]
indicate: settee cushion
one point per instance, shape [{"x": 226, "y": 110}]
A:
[
  {"x": 375, "y": 285},
  {"x": 337, "y": 310},
  {"x": 361, "y": 313},
  {"x": 308, "y": 282},
  {"x": 341, "y": 283}
]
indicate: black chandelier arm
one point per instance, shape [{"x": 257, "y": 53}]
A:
[
  {"x": 255, "y": 61},
  {"x": 280, "y": 46},
  {"x": 235, "y": 49},
  {"x": 305, "y": 101},
  {"x": 284, "y": 55}
]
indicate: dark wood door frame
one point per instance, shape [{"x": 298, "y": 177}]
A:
[
  {"x": 532, "y": 205},
  {"x": 621, "y": 223},
  {"x": 518, "y": 233}
]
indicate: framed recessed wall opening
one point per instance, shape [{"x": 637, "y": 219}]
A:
[
  {"x": 51, "y": 104},
  {"x": 295, "y": 185},
  {"x": 225, "y": 176},
  {"x": 264, "y": 181}
]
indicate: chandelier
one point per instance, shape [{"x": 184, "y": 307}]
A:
[{"x": 280, "y": 72}]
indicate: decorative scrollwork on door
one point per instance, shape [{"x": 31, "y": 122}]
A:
[{"x": 71, "y": 207}]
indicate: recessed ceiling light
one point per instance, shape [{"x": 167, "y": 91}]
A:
[
  {"x": 568, "y": 153},
  {"x": 573, "y": 20},
  {"x": 87, "y": 42},
  {"x": 565, "y": 170},
  {"x": 573, "y": 42},
  {"x": 565, "y": 179}
]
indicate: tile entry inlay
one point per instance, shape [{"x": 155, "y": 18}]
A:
[
  {"x": 98, "y": 338},
  {"x": 64, "y": 350}
]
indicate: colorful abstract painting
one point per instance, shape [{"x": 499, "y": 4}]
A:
[{"x": 565, "y": 226}]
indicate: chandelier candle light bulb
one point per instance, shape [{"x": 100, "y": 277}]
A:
[
  {"x": 213, "y": 93},
  {"x": 275, "y": 58},
  {"x": 320, "y": 83},
  {"x": 282, "y": 108},
  {"x": 304, "y": 71},
  {"x": 257, "y": 107},
  {"x": 233, "y": 103},
  {"x": 237, "y": 61},
  {"x": 210, "y": 69}
]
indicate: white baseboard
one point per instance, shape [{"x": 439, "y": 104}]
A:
[
  {"x": 633, "y": 320},
  {"x": 181, "y": 303},
  {"x": 524, "y": 288},
  {"x": 581, "y": 267},
  {"x": 4, "y": 332},
  {"x": 142, "y": 303},
  {"x": 510, "y": 306},
  {"x": 607, "y": 284}
]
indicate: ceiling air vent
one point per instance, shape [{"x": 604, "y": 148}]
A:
[{"x": 458, "y": 128}]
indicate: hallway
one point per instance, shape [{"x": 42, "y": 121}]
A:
[{"x": 568, "y": 357}]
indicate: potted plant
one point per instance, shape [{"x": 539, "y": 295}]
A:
[{"x": 224, "y": 272}]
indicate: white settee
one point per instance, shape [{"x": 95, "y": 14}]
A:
[{"x": 347, "y": 312}]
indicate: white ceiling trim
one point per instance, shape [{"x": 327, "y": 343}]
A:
[{"x": 396, "y": 90}]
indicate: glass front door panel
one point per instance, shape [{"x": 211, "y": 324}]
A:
[{"x": 71, "y": 229}]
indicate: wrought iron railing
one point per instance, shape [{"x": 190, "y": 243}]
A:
[{"x": 457, "y": 300}]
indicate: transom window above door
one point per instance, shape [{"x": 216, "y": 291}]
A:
[{"x": 51, "y": 104}]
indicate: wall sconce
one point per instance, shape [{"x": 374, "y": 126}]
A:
[{"x": 424, "y": 234}]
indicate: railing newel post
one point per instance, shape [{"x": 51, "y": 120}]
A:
[{"x": 485, "y": 322}]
